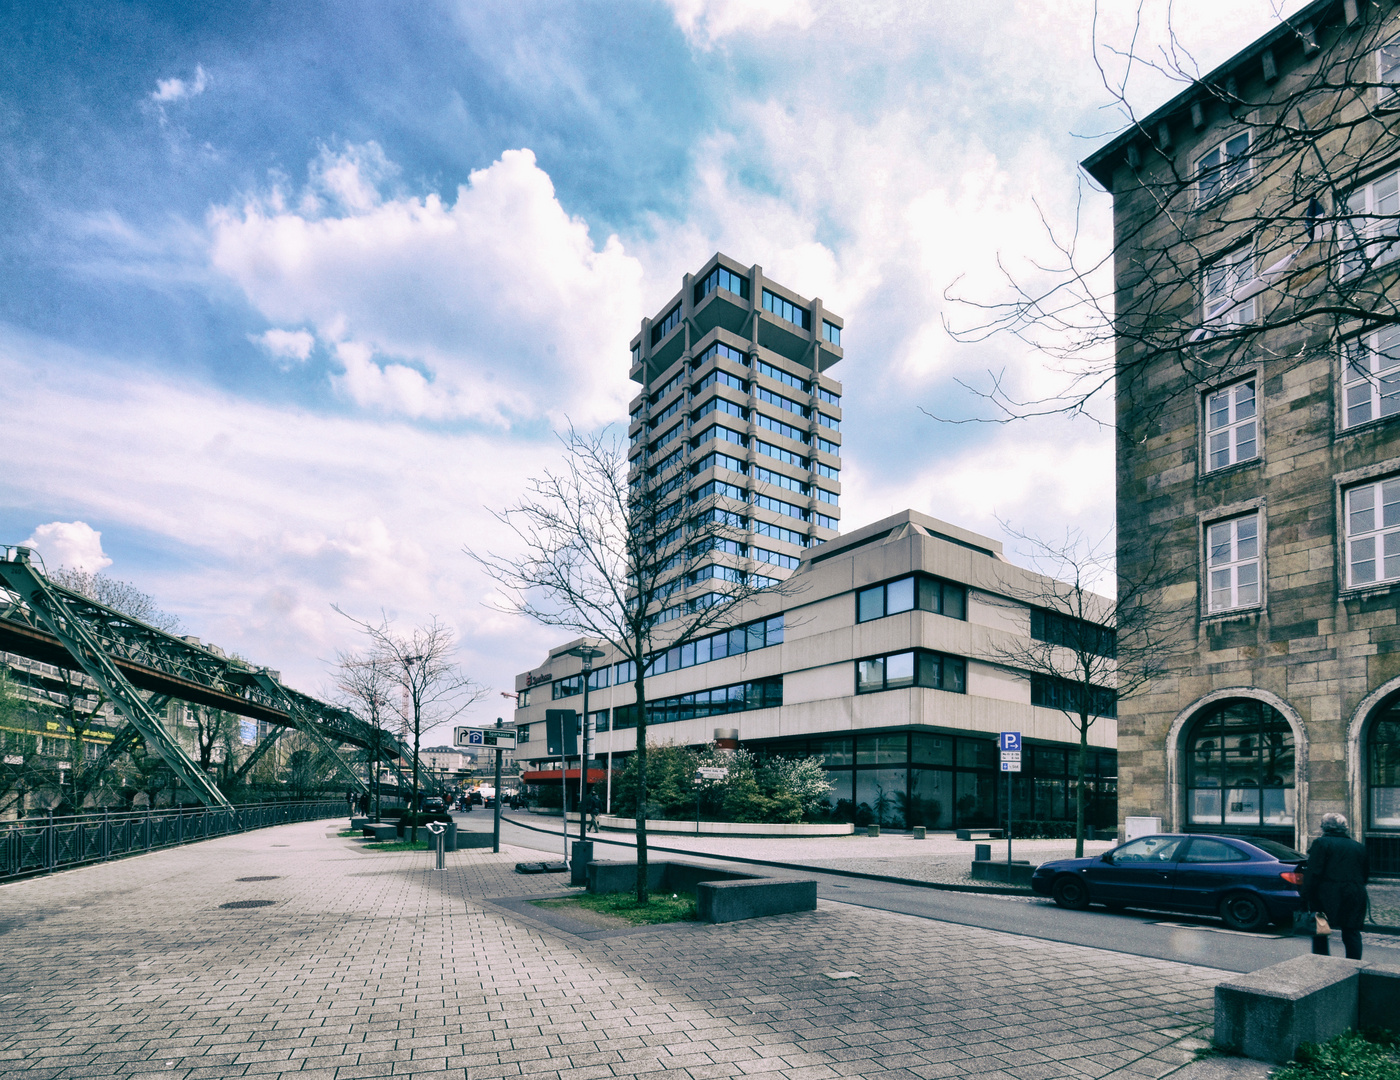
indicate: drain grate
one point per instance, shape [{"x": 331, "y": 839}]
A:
[
  {"x": 265, "y": 877},
  {"x": 248, "y": 903}
]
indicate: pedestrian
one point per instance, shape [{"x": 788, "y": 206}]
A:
[
  {"x": 1334, "y": 883},
  {"x": 594, "y": 805},
  {"x": 364, "y": 804}
]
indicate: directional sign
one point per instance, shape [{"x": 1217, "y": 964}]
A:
[
  {"x": 1010, "y": 740},
  {"x": 705, "y": 773},
  {"x": 1010, "y": 766},
  {"x": 487, "y": 738}
]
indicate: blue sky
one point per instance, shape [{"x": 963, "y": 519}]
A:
[{"x": 294, "y": 292}]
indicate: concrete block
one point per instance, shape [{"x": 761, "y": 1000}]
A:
[
  {"x": 605, "y": 876},
  {"x": 919, "y": 832},
  {"x": 1269, "y": 1013},
  {"x": 872, "y": 830},
  {"x": 1378, "y": 996},
  {"x": 472, "y": 840},
  {"x": 979, "y": 834},
  {"x": 381, "y": 832},
  {"x": 729, "y": 901},
  {"x": 1017, "y": 873},
  {"x": 580, "y": 855},
  {"x": 360, "y": 822}
]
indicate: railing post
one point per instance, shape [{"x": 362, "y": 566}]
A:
[
  {"x": 50, "y": 845},
  {"x": 106, "y": 833}
]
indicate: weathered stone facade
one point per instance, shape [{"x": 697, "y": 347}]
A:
[{"x": 1311, "y": 640}]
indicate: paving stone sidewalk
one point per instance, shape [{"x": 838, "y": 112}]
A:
[{"x": 373, "y": 964}]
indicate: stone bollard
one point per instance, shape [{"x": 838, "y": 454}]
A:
[
  {"x": 872, "y": 830},
  {"x": 919, "y": 832},
  {"x": 982, "y": 853}
]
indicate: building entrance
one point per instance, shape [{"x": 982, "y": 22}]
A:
[{"x": 1240, "y": 775}]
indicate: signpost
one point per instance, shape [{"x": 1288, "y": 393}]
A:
[
  {"x": 1010, "y": 745},
  {"x": 703, "y": 773},
  {"x": 489, "y": 739},
  {"x": 561, "y": 737}
]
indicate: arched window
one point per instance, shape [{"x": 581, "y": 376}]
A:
[
  {"x": 1239, "y": 768},
  {"x": 1383, "y": 754}
]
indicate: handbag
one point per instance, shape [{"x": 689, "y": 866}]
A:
[{"x": 1312, "y": 923}]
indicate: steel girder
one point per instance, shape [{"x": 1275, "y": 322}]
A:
[
  {"x": 305, "y": 721},
  {"x": 70, "y": 626}
]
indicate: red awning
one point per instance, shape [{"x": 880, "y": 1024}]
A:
[{"x": 551, "y": 776}]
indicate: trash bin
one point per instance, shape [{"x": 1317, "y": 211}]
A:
[
  {"x": 582, "y": 855},
  {"x": 450, "y": 840},
  {"x": 982, "y": 853}
]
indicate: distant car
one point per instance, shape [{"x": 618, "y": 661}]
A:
[
  {"x": 1248, "y": 883},
  {"x": 433, "y": 806},
  {"x": 475, "y": 799}
]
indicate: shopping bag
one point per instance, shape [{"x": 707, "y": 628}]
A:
[{"x": 1312, "y": 923}]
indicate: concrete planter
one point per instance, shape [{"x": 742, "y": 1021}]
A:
[{"x": 726, "y": 828}]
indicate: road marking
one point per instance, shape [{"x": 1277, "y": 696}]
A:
[
  {"x": 842, "y": 974},
  {"x": 1221, "y": 930}
]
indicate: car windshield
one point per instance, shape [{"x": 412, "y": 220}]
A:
[
  {"x": 1149, "y": 848},
  {"x": 1278, "y": 851}
]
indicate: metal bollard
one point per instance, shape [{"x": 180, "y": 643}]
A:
[{"x": 439, "y": 831}]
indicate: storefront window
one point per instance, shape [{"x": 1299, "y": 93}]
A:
[
  {"x": 1239, "y": 768},
  {"x": 1383, "y": 753},
  {"x": 883, "y": 793}
]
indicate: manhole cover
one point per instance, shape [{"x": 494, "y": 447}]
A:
[
  {"x": 248, "y": 903},
  {"x": 265, "y": 877}
]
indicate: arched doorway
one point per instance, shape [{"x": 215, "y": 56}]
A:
[
  {"x": 1382, "y": 808},
  {"x": 1240, "y": 771}
]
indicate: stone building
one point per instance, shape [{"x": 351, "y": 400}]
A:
[{"x": 1258, "y": 375}]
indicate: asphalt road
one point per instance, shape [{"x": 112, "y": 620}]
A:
[{"x": 1181, "y": 938}]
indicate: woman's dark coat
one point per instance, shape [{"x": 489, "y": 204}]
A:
[{"x": 1334, "y": 881}]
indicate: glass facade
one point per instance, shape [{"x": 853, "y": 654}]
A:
[
  {"x": 1240, "y": 770},
  {"x": 946, "y": 781},
  {"x": 1383, "y": 769}
]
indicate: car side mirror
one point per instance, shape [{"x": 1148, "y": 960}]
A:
[{"x": 1107, "y": 857}]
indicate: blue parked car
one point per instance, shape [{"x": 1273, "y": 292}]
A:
[{"x": 1248, "y": 883}]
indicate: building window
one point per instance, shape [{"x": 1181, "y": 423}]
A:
[
  {"x": 723, "y": 433},
  {"x": 1224, "y": 167},
  {"x": 522, "y": 699},
  {"x": 666, "y": 325},
  {"x": 916, "y": 667},
  {"x": 1222, "y": 281},
  {"x": 777, "y": 532},
  {"x": 828, "y": 447},
  {"x": 1050, "y": 692},
  {"x": 829, "y": 396},
  {"x": 720, "y": 349},
  {"x": 671, "y": 383},
  {"x": 791, "y": 406},
  {"x": 723, "y": 378},
  {"x": 825, "y": 521},
  {"x": 722, "y": 278},
  {"x": 829, "y": 471},
  {"x": 1231, "y": 425},
  {"x": 782, "y": 480},
  {"x": 1232, "y": 551},
  {"x": 907, "y": 593},
  {"x": 523, "y": 733},
  {"x": 741, "y": 697},
  {"x": 599, "y": 720},
  {"x": 1239, "y": 768},
  {"x": 741, "y": 639},
  {"x": 1388, "y": 73},
  {"x": 776, "y": 558},
  {"x": 779, "y": 454},
  {"x": 787, "y": 310},
  {"x": 784, "y": 377},
  {"x": 1383, "y": 760},
  {"x": 829, "y": 421},
  {"x": 767, "y": 502},
  {"x": 780, "y": 428},
  {"x": 1373, "y": 532},
  {"x": 1369, "y": 235},
  {"x": 1371, "y": 377},
  {"x": 827, "y": 496},
  {"x": 718, "y": 404},
  {"x": 1078, "y": 634},
  {"x": 568, "y": 686},
  {"x": 831, "y": 332}
]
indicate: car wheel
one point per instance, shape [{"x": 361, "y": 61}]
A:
[
  {"x": 1070, "y": 892},
  {"x": 1241, "y": 911}
]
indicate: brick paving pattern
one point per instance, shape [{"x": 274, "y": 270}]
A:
[{"x": 373, "y": 964}]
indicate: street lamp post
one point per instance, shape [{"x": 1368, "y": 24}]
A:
[{"x": 586, "y": 653}]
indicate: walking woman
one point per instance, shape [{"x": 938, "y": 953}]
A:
[{"x": 1334, "y": 883}]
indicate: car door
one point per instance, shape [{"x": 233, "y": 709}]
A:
[
  {"x": 1205, "y": 870},
  {"x": 1141, "y": 872}
]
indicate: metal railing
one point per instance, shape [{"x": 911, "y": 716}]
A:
[{"x": 39, "y": 845}]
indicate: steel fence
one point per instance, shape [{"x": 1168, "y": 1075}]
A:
[{"x": 38, "y": 845}]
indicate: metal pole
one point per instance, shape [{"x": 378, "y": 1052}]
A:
[
  {"x": 1008, "y": 827},
  {"x": 608, "y": 802},
  {"x": 583, "y": 757},
  {"x": 496, "y": 832}
]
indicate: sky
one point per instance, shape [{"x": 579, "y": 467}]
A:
[{"x": 293, "y": 295}]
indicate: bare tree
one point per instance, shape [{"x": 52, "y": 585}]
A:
[
  {"x": 119, "y": 595},
  {"x": 1262, "y": 239},
  {"x": 1085, "y": 651},
  {"x": 434, "y": 688},
  {"x": 608, "y": 557},
  {"x": 366, "y": 687}
]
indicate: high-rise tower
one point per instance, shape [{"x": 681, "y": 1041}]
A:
[{"x": 737, "y": 421}]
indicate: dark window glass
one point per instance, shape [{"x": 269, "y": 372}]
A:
[
  {"x": 1240, "y": 768},
  {"x": 882, "y": 749},
  {"x": 954, "y": 601},
  {"x": 738, "y": 638},
  {"x": 870, "y": 675},
  {"x": 931, "y": 798},
  {"x": 774, "y": 631},
  {"x": 881, "y": 793},
  {"x": 977, "y": 754},
  {"x": 1050, "y": 802},
  {"x": 870, "y": 604},
  {"x": 933, "y": 749},
  {"x": 977, "y": 798},
  {"x": 1213, "y": 851},
  {"x": 1383, "y": 768},
  {"x": 833, "y": 752},
  {"x": 1072, "y": 633}
]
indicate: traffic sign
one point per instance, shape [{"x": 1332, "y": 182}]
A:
[
  {"x": 707, "y": 773},
  {"x": 486, "y": 738},
  {"x": 1010, "y": 740},
  {"x": 1011, "y": 755},
  {"x": 1010, "y": 766}
]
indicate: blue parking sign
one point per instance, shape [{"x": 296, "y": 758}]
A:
[{"x": 1010, "y": 740}]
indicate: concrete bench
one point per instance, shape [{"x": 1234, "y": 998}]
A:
[
  {"x": 1269, "y": 1013},
  {"x": 381, "y": 832},
  {"x": 1017, "y": 873},
  {"x": 979, "y": 834},
  {"x": 360, "y": 822},
  {"x": 730, "y": 901},
  {"x": 1378, "y": 996},
  {"x": 607, "y": 876}
]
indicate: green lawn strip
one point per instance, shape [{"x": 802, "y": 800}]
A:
[
  {"x": 350, "y": 832},
  {"x": 1374, "y": 1055},
  {"x": 663, "y": 908},
  {"x": 400, "y": 845}
]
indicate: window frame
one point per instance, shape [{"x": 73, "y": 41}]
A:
[
  {"x": 1388, "y": 92},
  {"x": 1233, "y": 426},
  {"x": 1231, "y": 516},
  {"x": 918, "y": 658},
  {"x": 1224, "y": 179},
  {"x": 920, "y": 581},
  {"x": 1360, "y": 251},
  {"x": 1377, "y": 534},
  {"x": 1230, "y": 313},
  {"x": 1372, "y": 378}
]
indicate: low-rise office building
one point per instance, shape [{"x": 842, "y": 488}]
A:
[{"x": 886, "y": 655}]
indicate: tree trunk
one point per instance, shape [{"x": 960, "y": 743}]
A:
[
  {"x": 641, "y": 782},
  {"x": 1079, "y": 786}
]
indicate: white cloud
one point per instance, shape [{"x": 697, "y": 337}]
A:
[
  {"x": 495, "y": 306},
  {"x": 705, "y": 22},
  {"x": 286, "y": 344},
  {"x": 168, "y": 90},
  {"x": 74, "y": 544}
]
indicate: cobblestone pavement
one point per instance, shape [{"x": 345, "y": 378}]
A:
[{"x": 372, "y": 964}]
